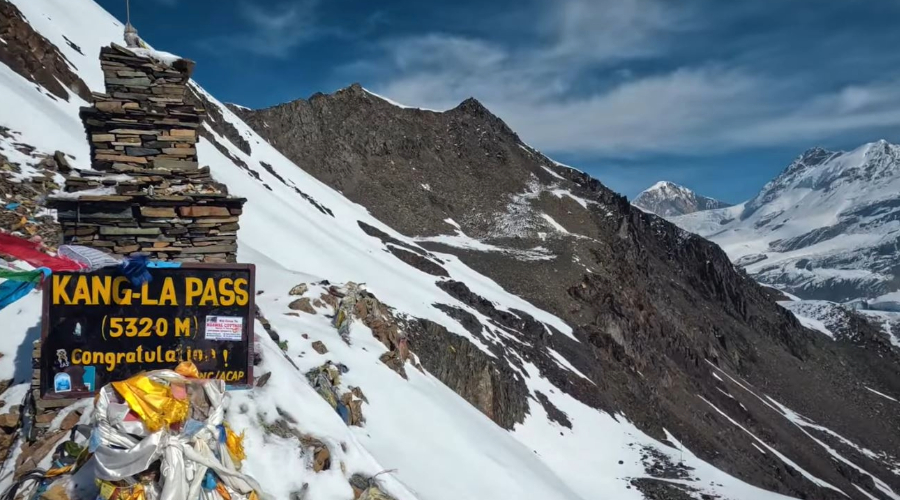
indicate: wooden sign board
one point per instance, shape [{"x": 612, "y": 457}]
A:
[{"x": 97, "y": 328}]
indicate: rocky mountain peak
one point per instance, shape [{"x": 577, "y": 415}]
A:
[
  {"x": 473, "y": 107},
  {"x": 668, "y": 199},
  {"x": 814, "y": 156},
  {"x": 820, "y": 169}
]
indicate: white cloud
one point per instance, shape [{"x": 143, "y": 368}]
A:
[
  {"x": 599, "y": 30},
  {"x": 852, "y": 109},
  {"x": 272, "y": 31},
  {"x": 541, "y": 91}
]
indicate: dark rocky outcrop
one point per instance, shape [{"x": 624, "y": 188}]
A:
[
  {"x": 553, "y": 413},
  {"x": 386, "y": 238},
  {"x": 216, "y": 121},
  {"x": 498, "y": 391},
  {"x": 417, "y": 261},
  {"x": 34, "y": 58}
]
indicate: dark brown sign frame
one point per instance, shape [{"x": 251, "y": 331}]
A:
[{"x": 127, "y": 339}]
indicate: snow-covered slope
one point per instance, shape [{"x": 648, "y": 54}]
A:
[
  {"x": 437, "y": 444},
  {"x": 669, "y": 199},
  {"x": 827, "y": 228}
]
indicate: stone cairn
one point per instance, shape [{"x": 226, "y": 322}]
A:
[{"x": 146, "y": 192}]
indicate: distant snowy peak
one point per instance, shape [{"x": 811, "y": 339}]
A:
[
  {"x": 821, "y": 170},
  {"x": 668, "y": 199},
  {"x": 825, "y": 228}
]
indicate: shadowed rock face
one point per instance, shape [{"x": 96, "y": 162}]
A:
[
  {"x": 500, "y": 393},
  {"x": 655, "y": 311},
  {"x": 36, "y": 59}
]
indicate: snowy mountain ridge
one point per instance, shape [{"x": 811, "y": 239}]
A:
[
  {"x": 828, "y": 227},
  {"x": 578, "y": 391},
  {"x": 668, "y": 199}
]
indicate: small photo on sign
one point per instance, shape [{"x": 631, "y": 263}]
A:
[
  {"x": 224, "y": 328},
  {"x": 62, "y": 382}
]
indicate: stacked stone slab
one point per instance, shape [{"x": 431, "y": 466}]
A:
[
  {"x": 197, "y": 228},
  {"x": 142, "y": 121},
  {"x": 147, "y": 192}
]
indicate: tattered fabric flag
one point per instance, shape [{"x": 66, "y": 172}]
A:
[
  {"x": 135, "y": 269},
  {"x": 89, "y": 258},
  {"x": 30, "y": 252},
  {"x": 19, "y": 283},
  {"x": 24, "y": 276}
]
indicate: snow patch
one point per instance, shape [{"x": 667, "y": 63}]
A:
[
  {"x": 563, "y": 362},
  {"x": 554, "y": 174},
  {"x": 882, "y": 394},
  {"x": 395, "y": 103},
  {"x": 555, "y": 225},
  {"x": 157, "y": 55}
]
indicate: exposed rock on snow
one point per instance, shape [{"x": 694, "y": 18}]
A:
[
  {"x": 841, "y": 323},
  {"x": 303, "y": 304},
  {"x": 35, "y": 58}
]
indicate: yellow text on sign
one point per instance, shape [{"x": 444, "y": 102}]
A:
[
  {"x": 84, "y": 290},
  {"x": 147, "y": 327}
]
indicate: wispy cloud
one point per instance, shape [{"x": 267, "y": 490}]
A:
[
  {"x": 271, "y": 31},
  {"x": 575, "y": 91},
  {"x": 604, "y": 30}
]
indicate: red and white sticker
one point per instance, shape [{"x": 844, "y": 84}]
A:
[{"x": 224, "y": 328}]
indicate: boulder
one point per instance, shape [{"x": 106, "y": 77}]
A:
[
  {"x": 44, "y": 419},
  {"x": 321, "y": 459},
  {"x": 70, "y": 420},
  {"x": 354, "y": 406},
  {"x": 300, "y": 289},
  {"x": 263, "y": 379},
  {"x": 9, "y": 420},
  {"x": 394, "y": 362},
  {"x": 319, "y": 347},
  {"x": 375, "y": 493},
  {"x": 356, "y": 391},
  {"x": 301, "y": 494},
  {"x": 303, "y": 304},
  {"x": 359, "y": 483},
  {"x": 62, "y": 163},
  {"x": 329, "y": 299},
  {"x": 32, "y": 455}
]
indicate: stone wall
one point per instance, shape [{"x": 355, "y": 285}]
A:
[
  {"x": 198, "y": 228},
  {"x": 146, "y": 191}
]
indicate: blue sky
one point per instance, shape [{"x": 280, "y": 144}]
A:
[{"x": 718, "y": 95}]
